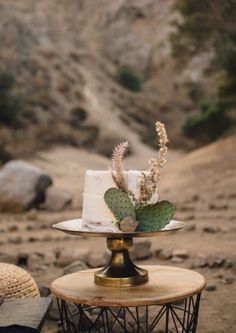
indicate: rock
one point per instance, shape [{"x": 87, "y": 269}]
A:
[
  {"x": 15, "y": 240},
  {"x": 39, "y": 260},
  {"x": 210, "y": 261},
  {"x": 180, "y": 253},
  {"x": 189, "y": 217},
  {"x": 211, "y": 230},
  {"x": 228, "y": 263},
  {"x": 47, "y": 238},
  {"x": 190, "y": 227},
  {"x": 33, "y": 239},
  {"x": 141, "y": 250},
  {"x": 22, "y": 186},
  {"x": 12, "y": 228},
  {"x": 157, "y": 252},
  {"x": 165, "y": 254},
  {"x": 56, "y": 199},
  {"x": 95, "y": 259},
  {"x": 65, "y": 256},
  {"x": 213, "y": 261},
  {"x": 210, "y": 287},
  {"x": 29, "y": 228},
  {"x": 44, "y": 291},
  {"x": 200, "y": 261},
  {"x": 218, "y": 275},
  {"x": 22, "y": 259},
  {"x": 35, "y": 261},
  {"x": 8, "y": 258},
  {"x": 49, "y": 258},
  {"x": 177, "y": 260},
  {"x": 76, "y": 266},
  {"x": 228, "y": 280},
  {"x": 32, "y": 215}
]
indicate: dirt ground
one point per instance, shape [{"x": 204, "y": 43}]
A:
[{"x": 203, "y": 187}]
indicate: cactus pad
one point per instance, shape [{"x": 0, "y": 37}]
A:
[
  {"x": 154, "y": 217},
  {"x": 119, "y": 204}
]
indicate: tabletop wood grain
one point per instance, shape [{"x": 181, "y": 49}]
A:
[{"x": 166, "y": 284}]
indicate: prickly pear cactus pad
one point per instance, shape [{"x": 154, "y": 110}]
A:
[
  {"x": 119, "y": 204},
  {"x": 154, "y": 217}
]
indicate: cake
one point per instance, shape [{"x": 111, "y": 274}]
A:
[
  {"x": 95, "y": 213},
  {"x": 118, "y": 200}
]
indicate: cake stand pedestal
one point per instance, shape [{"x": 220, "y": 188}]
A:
[{"x": 120, "y": 271}]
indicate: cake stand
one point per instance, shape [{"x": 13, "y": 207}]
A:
[{"x": 120, "y": 271}]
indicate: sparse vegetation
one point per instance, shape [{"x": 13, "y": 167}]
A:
[
  {"x": 209, "y": 27},
  {"x": 78, "y": 116},
  {"x": 209, "y": 124},
  {"x": 128, "y": 78},
  {"x": 11, "y": 104}
]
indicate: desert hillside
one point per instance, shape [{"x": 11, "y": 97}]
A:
[{"x": 65, "y": 69}]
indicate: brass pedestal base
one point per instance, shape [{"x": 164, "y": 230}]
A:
[{"x": 121, "y": 271}]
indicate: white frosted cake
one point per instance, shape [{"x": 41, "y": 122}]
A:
[{"x": 96, "y": 215}]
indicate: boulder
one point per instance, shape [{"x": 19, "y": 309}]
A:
[
  {"x": 57, "y": 199},
  {"x": 165, "y": 254},
  {"x": 67, "y": 256},
  {"x": 210, "y": 287},
  {"x": 38, "y": 260},
  {"x": 22, "y": 186},
  {"x": 141, "y": 250},
  {"x": 177, "y": 260},
  {"x": 76, "y": 266},
  {"x": 180, "y": 253},
  {"x": 95, "y": 259}
]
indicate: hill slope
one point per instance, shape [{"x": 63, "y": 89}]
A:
[{"x": 64, "y": 57}]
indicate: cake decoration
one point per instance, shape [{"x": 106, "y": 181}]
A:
[{"x": 139, "y": 213}]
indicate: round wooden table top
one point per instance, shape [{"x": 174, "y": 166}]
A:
[{"x": 166, "y": 284}]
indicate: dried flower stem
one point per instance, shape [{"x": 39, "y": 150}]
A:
[
  {"x": 148, "y": 182},
  {"x": 117, "y": 168}
]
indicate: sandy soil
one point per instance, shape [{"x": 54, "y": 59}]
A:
[{"x": 201, "y": 184}]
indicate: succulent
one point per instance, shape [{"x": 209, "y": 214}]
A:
[
  {"x": 119, "y": 204},
  {"x": 154, "y": 217}
]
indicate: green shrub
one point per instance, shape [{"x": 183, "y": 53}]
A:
[
  {"x": 212, "y": 121},
  {"x": 128, "y": 78},
  {"x": 10, "y": 103},
  {"x": 78, "y": 116},
  {"x": 195, "y": 91}
]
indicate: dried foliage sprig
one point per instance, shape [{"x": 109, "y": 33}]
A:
[
  {"x": 117, "y": 168},
  {"x": 117, "y": 165},
  {"x": 149, "y": 181}
]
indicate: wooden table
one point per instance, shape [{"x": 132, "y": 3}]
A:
[{"x": 169, "y": 301}]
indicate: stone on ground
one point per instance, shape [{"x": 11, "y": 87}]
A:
[
  {"x": 22, "y": 186},
  {"x": 57, "y": 199},
  {"x": 141, "y": 250},
  {"x": 75, "y": 266}
]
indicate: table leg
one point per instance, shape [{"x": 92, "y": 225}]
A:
[{"x": 180, "y": 317}]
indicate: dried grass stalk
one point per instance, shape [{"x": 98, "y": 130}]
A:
[
  {"x": 149, "y": 182},
  {"x": 117, "y": 169},
  {"x": 117, "y": 165}
]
